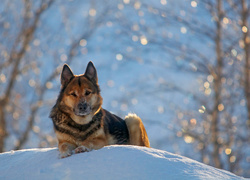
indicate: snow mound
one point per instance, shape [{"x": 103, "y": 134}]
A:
[{"x": 111, "y": 162}]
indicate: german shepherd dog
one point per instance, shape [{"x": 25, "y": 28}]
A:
[{"x": 80, "y": 122}]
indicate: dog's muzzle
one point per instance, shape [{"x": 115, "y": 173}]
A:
[{"x": 83, "y": 109}]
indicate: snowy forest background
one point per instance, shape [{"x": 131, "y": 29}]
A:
[{"x": 181, "y": 65}]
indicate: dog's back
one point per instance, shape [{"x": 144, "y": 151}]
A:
[
  {"x": 129, "y": 131},
  {"x": 116, "y": 128}
]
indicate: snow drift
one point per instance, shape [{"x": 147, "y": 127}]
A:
[{"x": 111, "y": 162}]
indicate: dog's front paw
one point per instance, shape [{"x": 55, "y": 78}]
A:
[
  {"x": 65, "y": 149},
  {"x": 65, "y": 154},
  {"x": 81, "y": 149}
]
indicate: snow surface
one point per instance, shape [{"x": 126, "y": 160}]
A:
[{"x": 111, "y": 162}]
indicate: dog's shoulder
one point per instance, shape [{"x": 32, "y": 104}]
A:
[{"x": 56, "y": 115}]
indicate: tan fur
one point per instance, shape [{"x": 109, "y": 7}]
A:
[
  {"x": 137, "y": 133},
  {"x": 110, "y": 139}
]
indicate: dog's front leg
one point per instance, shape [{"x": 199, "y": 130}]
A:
[
  {"x": 95, "y": 143},
  {"x": 66, "y": 149}
]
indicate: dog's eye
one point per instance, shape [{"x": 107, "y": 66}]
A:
[
  {"x": 87, "y": 93},
  {"x": 73, "y": 94}
]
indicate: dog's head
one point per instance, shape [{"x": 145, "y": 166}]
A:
[{"x": 80, "y": 94}]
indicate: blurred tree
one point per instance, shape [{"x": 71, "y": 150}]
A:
[
  {"x": 15, "y": 56},
  {"x": 209, "y": 39},
  {"x": 24, "y": 84}
]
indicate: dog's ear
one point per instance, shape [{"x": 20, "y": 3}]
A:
[
  {"x": 91, "y": 72},
  {"x": 66, "y": 75}
]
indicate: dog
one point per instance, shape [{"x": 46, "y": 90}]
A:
[{"x": 80, "y": 122}]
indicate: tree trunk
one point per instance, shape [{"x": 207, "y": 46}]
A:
[
  {"x": 3, "y": 132},
  {"x": 246, "y": 40},
  {"x": 217, "y": 88}
]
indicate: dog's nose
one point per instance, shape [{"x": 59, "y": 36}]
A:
[{"x": 82, "y": 106}]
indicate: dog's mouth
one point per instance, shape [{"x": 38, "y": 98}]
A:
[{"x": 82, "y": 113}]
